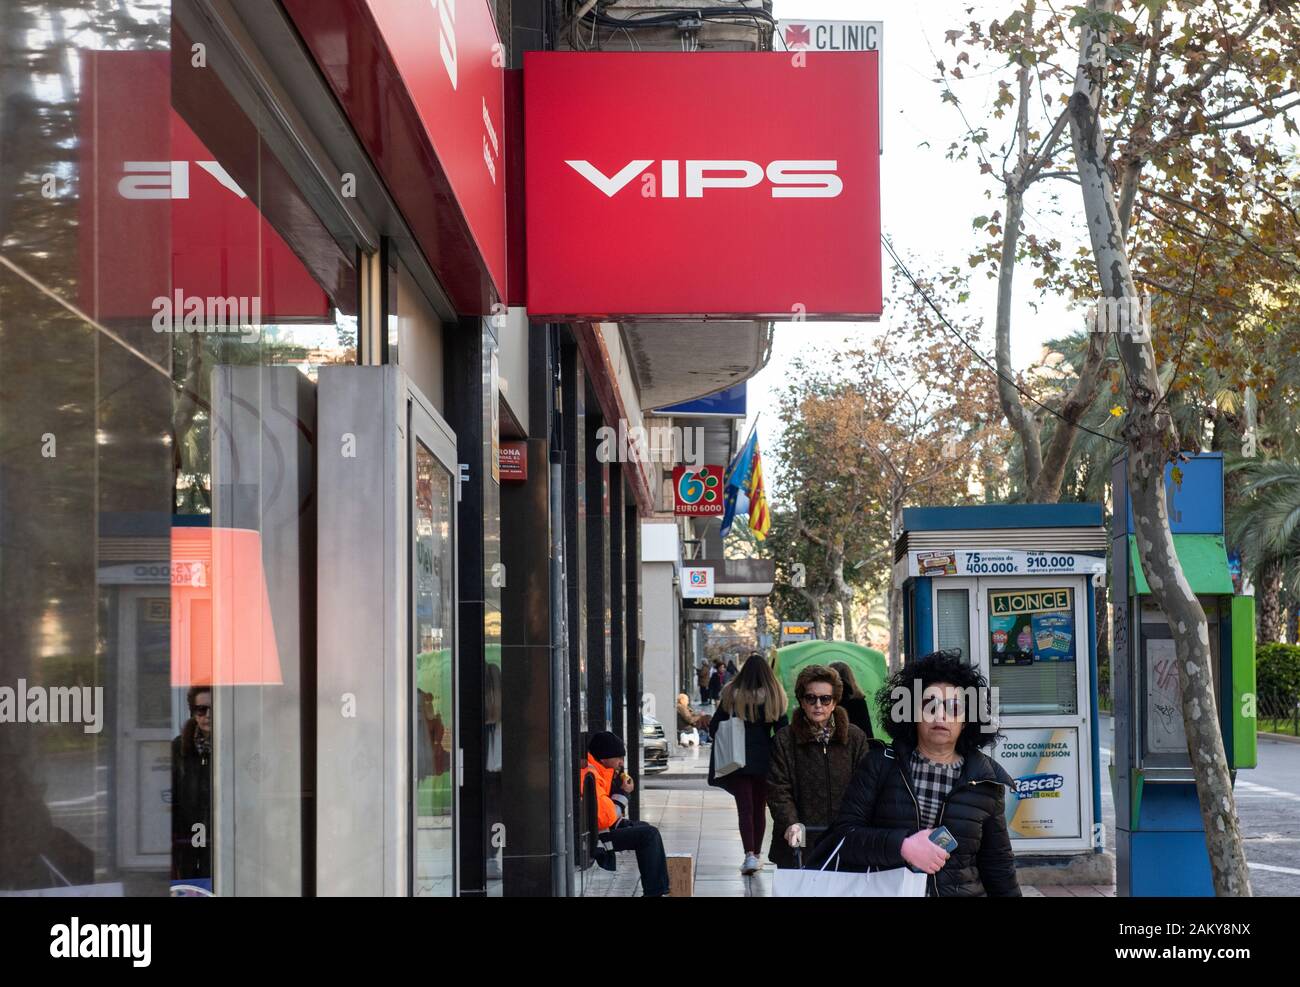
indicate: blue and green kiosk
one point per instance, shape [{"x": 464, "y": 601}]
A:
[{"x": 1013, "y": 587}]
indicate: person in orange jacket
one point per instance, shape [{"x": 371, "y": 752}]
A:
[{"x": 605, "y": 754}]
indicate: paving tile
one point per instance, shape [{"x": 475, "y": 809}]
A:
[{"x": 719, "y": 889}]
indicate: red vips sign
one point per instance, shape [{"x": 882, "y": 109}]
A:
[
  {"x": 697, "y": 492},
  {"x": 725, "y": 184},
  {"x": 453, "y": 66}
]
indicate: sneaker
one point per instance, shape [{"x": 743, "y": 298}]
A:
[{"x": 750, "y": 866}]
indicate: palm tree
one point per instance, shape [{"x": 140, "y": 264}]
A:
[{"x": 1265, "y": 526}]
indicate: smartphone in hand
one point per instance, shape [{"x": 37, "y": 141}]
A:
[{"x": 944, "y": 839}]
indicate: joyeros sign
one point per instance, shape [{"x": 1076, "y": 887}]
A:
[{"x": 739, "y": 185}]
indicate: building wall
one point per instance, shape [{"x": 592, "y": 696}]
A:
[
  {"x": 419, "y": 339},
  {"x": 661, "y": 677}
]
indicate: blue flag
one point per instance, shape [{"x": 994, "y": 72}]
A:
[{"x": 737, "y": 479}]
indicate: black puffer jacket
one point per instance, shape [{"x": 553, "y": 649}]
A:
[
  {"x": 807, "y": 781},
  {"x": 879, "y": 810}
]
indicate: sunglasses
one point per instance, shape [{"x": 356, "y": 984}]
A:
[
  {"x": 812, "y": 700},
  {"x": 201, "y": 710},
  {"x": 951, "y": 706}
]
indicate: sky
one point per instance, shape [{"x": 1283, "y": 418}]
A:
[{"x": 928, "y": 201}]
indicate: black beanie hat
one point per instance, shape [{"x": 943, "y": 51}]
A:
[{"x": 605, "y": 744}]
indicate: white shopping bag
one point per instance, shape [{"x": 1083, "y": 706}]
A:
[
  {"x": 896, "y": 883},
  {"x": 729, "y": 747}
]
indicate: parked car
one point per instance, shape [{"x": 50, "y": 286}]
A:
[{"x": 654, "y": 746}]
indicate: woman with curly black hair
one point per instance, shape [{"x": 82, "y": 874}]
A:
[{"x": 934, "y": 774}]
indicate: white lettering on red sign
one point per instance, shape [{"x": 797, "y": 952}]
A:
[
  {"x": 791, "y": 179},
  {"x": 168, "y": 179},
  {"x": 491, "y": 148},
  {"x": 447, "y": 35}
]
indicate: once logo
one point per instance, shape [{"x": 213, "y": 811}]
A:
[{"x": 790, "y": 179}]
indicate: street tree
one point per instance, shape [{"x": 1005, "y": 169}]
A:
[
  {"x": 1191, "y": 93},
  {"x": 1207, "y": 78}
]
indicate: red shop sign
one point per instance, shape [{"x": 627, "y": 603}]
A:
[
  {"x": 513, "y": 460},
  {"x": 453, "y": 66},
  {"x": 698, "y": 493},
  {"x": 726, "y": 184}
]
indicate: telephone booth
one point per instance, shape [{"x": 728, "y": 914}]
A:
[{"x": 1160, "y": 838}]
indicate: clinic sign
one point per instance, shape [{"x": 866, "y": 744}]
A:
[
  {"x": 669, "y": 184},
  {"x": 954, "y": 562},
  {"x": 832, "y": 35}
]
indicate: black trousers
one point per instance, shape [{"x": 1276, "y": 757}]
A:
[{"x": 650, "y": 857}]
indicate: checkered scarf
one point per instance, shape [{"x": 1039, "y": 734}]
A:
[{"x": 932, "y": 782}]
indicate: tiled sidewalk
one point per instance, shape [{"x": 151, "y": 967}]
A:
[{"x": 701, "y": 822}]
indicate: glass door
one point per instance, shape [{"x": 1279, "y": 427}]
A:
[
  {"x": 434, "y": 751},
  {"x": 955, "y": 624}
]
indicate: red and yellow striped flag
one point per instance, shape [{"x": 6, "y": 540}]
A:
[{"x": 759, "y": 519}]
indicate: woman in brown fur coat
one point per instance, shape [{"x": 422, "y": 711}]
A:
[{"x": 813, "y": 760}]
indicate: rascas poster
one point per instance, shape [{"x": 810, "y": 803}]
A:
[{"x": 1044, "y": 765}]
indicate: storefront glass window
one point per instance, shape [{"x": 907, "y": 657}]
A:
[{"x": 166, "y": 296}]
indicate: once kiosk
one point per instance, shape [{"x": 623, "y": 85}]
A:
[
  {"x": 1012, "y": 587},
  {"x": 1160, "y": 838}
]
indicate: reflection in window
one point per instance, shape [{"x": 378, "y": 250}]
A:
[{"x": 435, "y": 734}]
